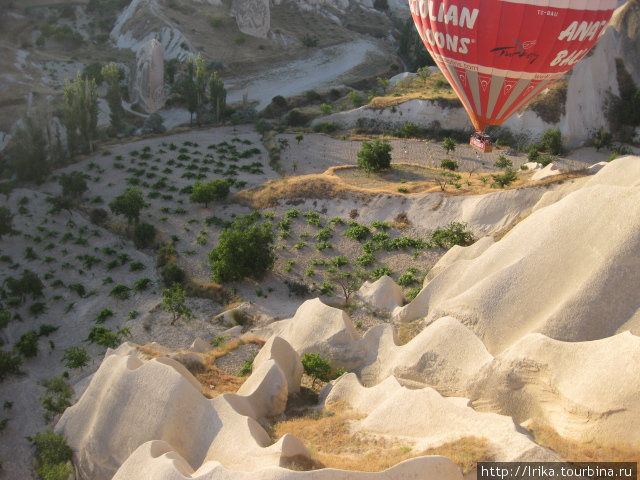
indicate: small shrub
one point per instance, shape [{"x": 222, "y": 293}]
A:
[
  {"x": 27, "y": 345},
  {"x": 103, "y": 315},
  {"x": 101, "y": 335},
  {"x": 503, "y": 162},
  {"x": 502, "y": 180},
  {"x": 449, "y": 164},
  {"x": 357, "y": 232},
  {"x": 9, "y": 364},
  {"x": 379, "y": 272},
  {"x": 297, "y": 289},
  {"x": 454, "y": 234},
  {"x": 144, "y": 235},
  {"x": 316, "y": 367},
  {"x": 325, "y": 127},
  {"x": 52, "y": 456},
  {"x": 171, "y": 273},
  {"x": 246, "y": 368},
  {"x": 57, "y": 397},
  {"x": 120, "y": 292},
  {"x": 76, "y": 357}
]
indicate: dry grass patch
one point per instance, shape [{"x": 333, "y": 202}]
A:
[
  {"x": 402, "y": 178},
  {"x": 408, "y": 330},
  {"x": 465, "y": 452},
  {"x": 214, "y": 381},
  {"x": 435, "y": 88},
  {"x": 318, "y": 186},
  {"x": 574, "y": 451},
  {"x": 328, "y": 435}
]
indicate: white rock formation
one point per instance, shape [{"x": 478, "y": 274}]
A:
[
  {"x": 384, "y": 294},
  {"x": 129, "y": 402},
  {"x": 147, "y": 78},
  {"x": 586, "y": 391},
  {"x": 430, "y": 359},
  {"x": 427, "y": 419},
  {"x": 158, "y": 461},
  {"x": 318, "y": 328},
  {"x": 278, "y": 349},
  {"x": 253, "y": 17},
  {"x": 546, "y": 172},
  {"x": 144, "y": 20},
  {"x": 541, "y": 278},
  {"x": 594, "y": 78}
]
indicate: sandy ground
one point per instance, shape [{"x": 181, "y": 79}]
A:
[{"x": 63, "y": 242}]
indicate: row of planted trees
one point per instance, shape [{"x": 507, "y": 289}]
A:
[{"x": 38, "y": 144}]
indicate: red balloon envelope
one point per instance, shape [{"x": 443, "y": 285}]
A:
[{"x": 499, "y": 54}]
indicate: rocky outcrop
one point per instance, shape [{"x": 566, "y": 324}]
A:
[
  {"x": 539, "y": 278},
  {"x": 426, "y": 419},
  {"x": 593, "y": 81},
  {"x": 253, "y": 17},
  {"x": 586, "y": 391},
  {"x": 383, "y": 295},
  {"x": 147, "y": 79}
]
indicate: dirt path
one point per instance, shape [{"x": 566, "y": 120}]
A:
[{"x": 320, "y": 70}]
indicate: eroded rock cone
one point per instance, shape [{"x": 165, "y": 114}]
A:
[{"x": 147, "y": 80}]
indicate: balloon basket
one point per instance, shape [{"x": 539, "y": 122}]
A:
[{"x": 481, "y": 141}]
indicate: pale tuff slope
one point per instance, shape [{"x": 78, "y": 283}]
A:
[{"x": 569, "y": 271}]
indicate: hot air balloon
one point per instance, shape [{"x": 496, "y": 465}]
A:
[{"x": 499, "y": 54}]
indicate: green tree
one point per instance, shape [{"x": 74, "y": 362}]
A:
[
  {"x": 424, "y": 73},
  {"x": 356, "y": 98},
  {"x": 503, "y": 162},
  {"x": 375, "y": 156},
  {"x": 189, "y": 89},
  {"x": 28, "y": 151},
  {"x": 144, "y": 235},
  {"x": 502, "y": 180},
  {"x": 383, "y": 83},
  {"x": 129, "y": 204},
  {"x": 153, "y": 124},
  {"x": 6, "y": 221},
  {"x": 209, "y": 191},
  {"x": 201, "y": 86},
  {"x": 81, "y": 113},
  {"x": 173, "y": 299},
  {"x": 111, "y": 74},
  {"x": 217, "y": 95},
  {"x": 52, "y": 455},
  {"x": 551, "y": 141},
  {"x": 243, "y": 251},
  {"x": 347, "y": 281},
  {"x": 316, "y": 367},
  {"x": 449, "y": 164},
  {"x": 449, "y": 144},
  {"x": 73, "y": 184}
]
